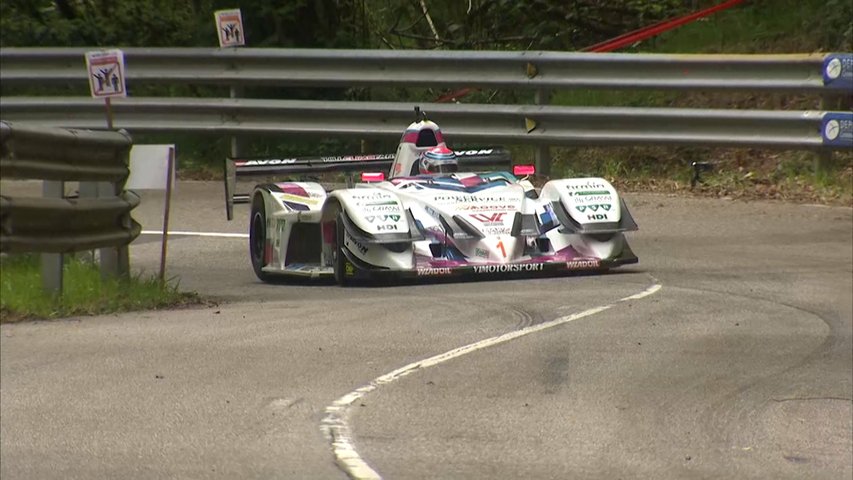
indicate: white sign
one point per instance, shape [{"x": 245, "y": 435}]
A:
[
  {"x": 106, "y": 73},
  {"x": 229, "y": 25},
  {"x": 149, "y": 167}
]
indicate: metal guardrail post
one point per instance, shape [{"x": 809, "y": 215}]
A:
[
  {"x": 52, "y": 263},
  {"x": 542, "y": 156},
  {"x": 115, "y": 261},
  {"x": 89, "y": 190},
  {"x": 823, "y": 158},
  {"x": 236, "y": 92}
]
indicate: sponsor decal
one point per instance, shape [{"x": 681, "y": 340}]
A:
[
  {"x": 376, "y": 195},
  {"x": 482, "y": 253},
  {"x": 588, "y": 186},
  {"x": 470, "y": 199},
  {"x": 838, "y": 71},
  {"x": 579, "y": 264},
  {"x": 516, "y": 267},
  {"x": 489, "y": 219},
  {"x": 351, "y": 241},
  {"x": 381, "y": 208},
  {"x": 265, "y": 161},
  {"x": 288, "y": 197},
  {"x": 485, "y": 207},
  {"x": 433, "y": 271},
  {"x": 837, "y": 129},
  {"x": 469, "y": 153},
  {"x": 349, "y": 269},
  {"x": 590, "y": 193},
  {"x": 385, "y": 228},
  {"x": 432, "y": 212},
  {"x": 300, "y": 267},
  {"x": 382, "y": 218},
  {"x": 597, "y": 216},
  {"x": 594, "y": 198},
  {"x": 358, "y": 158},
  {"x": 497, "y": 230},
  {"x": 594, "y": 208}
]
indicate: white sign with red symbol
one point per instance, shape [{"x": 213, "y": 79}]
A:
[
  {"x": 229, "y": 25},
  {"x": 106, "y": 73}
]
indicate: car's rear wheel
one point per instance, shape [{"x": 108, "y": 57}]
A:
[{"x": 258, "y": 238}]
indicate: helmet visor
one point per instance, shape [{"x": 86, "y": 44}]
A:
[{"x": 443, "y": 167}]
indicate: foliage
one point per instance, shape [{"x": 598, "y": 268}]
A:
[
  {"x": 22, "y": 296},
  {"x": 475, "y": 24},
  {"x": 175, "y": 23},
  {"x": 509, "y": 24}
]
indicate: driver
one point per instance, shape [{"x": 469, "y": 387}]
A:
[{"x": 438, "y": 160}]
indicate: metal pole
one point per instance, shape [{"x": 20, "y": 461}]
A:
[
  {"x": 89, "y": 190},
  {"x": 109, "y": 106},
  {"x": 51, "y": 263},
  {"x": 823, "y": 158},
  {"x": 169, "y": 169},
  {"x": 542, "y": 156},
  {"x": 236, "y": 92},
  {"x": 115, "y": 261}
]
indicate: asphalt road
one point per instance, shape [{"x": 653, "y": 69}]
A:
[{"x": 739, "y": 366}]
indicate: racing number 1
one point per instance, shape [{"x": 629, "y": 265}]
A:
[{"x": 501, "y": 246}]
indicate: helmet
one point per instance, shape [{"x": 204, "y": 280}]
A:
[{"x": 438, "y": 160}]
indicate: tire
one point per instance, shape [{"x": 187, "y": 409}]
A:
[
  {"x": 258, "y": 238},
  {"x": 339, "y": 260}
]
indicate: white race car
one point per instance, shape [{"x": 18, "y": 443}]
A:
[{"x": 428, "y": 225}]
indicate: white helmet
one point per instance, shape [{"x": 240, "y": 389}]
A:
[{"x": 438, "y": 160}]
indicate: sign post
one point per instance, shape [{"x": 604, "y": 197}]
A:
[
  {"x": 229, "y": 26},
  {"x": 106, "y": 77},
  {"x": 107, "y": 80},
  {"x": 152, "y": 167}
]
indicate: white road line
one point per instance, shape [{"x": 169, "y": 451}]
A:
[
  {"x": 335, "y": 424},
  {"x": 198, "y": 234}
]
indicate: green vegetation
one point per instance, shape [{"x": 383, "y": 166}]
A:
[
  {"x": 22, "y": 296},
  {"x": 777, "y": 26}
]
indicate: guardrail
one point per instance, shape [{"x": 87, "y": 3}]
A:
[
  {"x": 516, "y": 70},
  {"x": 508, "y": 124},
  {"x": 54, "y": 224},
  {"x": 826, "y": 76}
]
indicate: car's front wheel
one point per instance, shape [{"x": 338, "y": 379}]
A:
[
  {"x": 258, "y": 238},
  {"x": 340, "y": 264}
]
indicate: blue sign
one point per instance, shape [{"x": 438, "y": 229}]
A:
[
  {"x": 838, "y": 71},
  {"x": 837, "y": 129}
]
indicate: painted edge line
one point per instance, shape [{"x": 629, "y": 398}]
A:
[
  {"x": 197, "y": 234},
  {"x": 335, "y": 424}
]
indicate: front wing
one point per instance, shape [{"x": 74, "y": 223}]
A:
[{"x": 357, "y": 269}]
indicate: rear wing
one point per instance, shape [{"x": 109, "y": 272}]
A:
[{"x": 266, "y": 167}]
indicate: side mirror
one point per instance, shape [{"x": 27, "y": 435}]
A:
[
  {"x": 368, "y": 177},
  {"x": 523, "y": 170}
]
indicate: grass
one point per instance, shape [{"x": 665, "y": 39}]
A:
[{"x": 84, "y": 293}]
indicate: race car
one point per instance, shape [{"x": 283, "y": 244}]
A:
[{"x": 427, "y": 218}]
